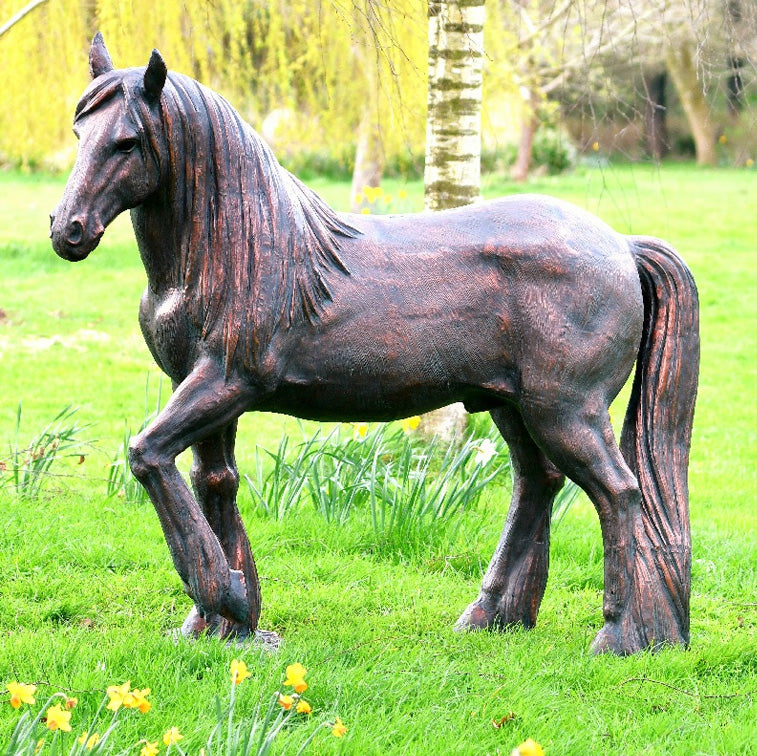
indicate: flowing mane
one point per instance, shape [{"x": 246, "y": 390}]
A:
[{"x": 239, "y": 217}]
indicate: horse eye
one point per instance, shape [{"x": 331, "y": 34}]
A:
[{"x": 126, "y": 145}]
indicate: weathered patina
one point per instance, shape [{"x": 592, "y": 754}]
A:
[{"x": 261, "y": 297}]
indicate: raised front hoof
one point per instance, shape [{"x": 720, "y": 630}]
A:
[{"x": 485, "y": 615}]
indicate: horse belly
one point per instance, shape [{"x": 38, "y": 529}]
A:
[{"x": 381, "y": 366}]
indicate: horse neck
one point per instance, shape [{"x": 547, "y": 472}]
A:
[{"x": 155, "y": 226}]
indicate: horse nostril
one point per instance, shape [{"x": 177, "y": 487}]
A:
[{"x": 75, "y": 233}]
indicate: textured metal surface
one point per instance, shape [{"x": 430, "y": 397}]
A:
[{"x": 260, "y": 297}]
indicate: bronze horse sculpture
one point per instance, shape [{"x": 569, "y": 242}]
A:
[{"x": 260, "y": 297}]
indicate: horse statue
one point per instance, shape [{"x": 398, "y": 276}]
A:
[{"x": 261, "y": 297}]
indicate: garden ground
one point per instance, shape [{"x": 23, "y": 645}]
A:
[{"x": 88, "y": 594}]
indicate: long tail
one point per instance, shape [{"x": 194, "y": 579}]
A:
[{"x": 656, "y": 438}]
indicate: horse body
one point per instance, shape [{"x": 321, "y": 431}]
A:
[
  {"x": 260, "y": 297},
  {"x": 455, "y": 306}
]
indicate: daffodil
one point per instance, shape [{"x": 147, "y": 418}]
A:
[
  {"x": 286, "y": 701},
  {"x": 21, "y": 693},
  {"x": 296, "y": 677},
  {"x": 71, "y": 702},
  {"x": 57, "y": 719},
  {"x": 239, "y": 671},
  {"x": 411, "y": 423},
  {"x": 149, "y": 749},
  {"x": 361, "y": 429},
  {"x": 303, "y": 707},
  {"x": 89, "y": 741},
  {"x": 172, "y": 736},
  {"x": 528, "y": 748},
  {"x": 485, "y": 451},
  {"x": 138, "y": 700},
  {"x": 119, "y": 696},
  {"x": 338, "y": 729}
]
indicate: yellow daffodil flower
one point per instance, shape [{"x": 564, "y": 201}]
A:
[
  {"x": 339, "y": 728},
  {"x": 149, "y": 749},
  {"x": 528, "y": 748},
  {"x": 411, "y": 423},
  {"x": 303, "y": 707},
  {"x": 239, "y": 671},
  {"x": 20, "y": 693},
  {"x": 119, "y": 696},
  {"x": 285, "y": 701},
  {"x": 296, "y": 677},
  {"x": 71, "y": 702},
  {"x": 57, "y": 719},
  {"x": 89, "y": 741},
  {"x": 172, "y": 736},
  {"x": 139, "y": 700},
  {"x": 361, "y": 429}
]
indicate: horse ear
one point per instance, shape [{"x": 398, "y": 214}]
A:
[
  {"x": 99, "y": 57},
  {"x": 155, "y": 76}
]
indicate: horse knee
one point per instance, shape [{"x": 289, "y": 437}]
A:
[
  {"x": 222, "y": 482},
  {"x": 142, "y": 458}
]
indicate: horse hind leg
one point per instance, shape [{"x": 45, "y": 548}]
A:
[
  {"x": 215, "y": 481},
  {"x": 580, "y": 441},
  {"x": 514, "y": 583}
]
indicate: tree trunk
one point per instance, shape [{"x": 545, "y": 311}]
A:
[
  {"x": 656, "y": 131},
  {"x": 735, "y": 91},
  {"x": 529, "y": 125},
  {"x": 679, "y": 59},
  {"x": 453, "y": 135},
  {"x": 369, "y": 155}
]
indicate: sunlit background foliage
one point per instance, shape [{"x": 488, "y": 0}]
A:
[{"x": 305, "y": 74}]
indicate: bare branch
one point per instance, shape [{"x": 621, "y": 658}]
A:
[{"x": 13, "y": 20}]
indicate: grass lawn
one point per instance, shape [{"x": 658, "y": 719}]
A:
[{"x": 88, "y": 593}]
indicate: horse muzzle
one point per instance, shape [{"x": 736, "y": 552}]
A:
[{"x": 72, "y": 240}]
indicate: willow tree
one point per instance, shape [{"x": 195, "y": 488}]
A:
[
  {"x": 291, "y": 55},
  {"x": 453, "y": 133}
]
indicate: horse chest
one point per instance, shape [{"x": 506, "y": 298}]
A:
[{"x": 167, "y": 331}]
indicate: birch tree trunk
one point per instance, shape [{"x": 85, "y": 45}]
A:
[{"x": 453, "y": 135}]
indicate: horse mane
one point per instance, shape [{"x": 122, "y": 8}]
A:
[{"x": 254, "y": 247}]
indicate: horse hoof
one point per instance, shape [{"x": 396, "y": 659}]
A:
[
  {"x": 475, "y": 617},
  {"x": 609, "y": 640},
  {"x": 194, "y": 625}
]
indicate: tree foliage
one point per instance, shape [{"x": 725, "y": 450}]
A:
[{"x": 293, "y": 57}]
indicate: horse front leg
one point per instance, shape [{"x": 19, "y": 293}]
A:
[
  {"x": 215, "y": 482},
  {"x": 202, "y": 406}
]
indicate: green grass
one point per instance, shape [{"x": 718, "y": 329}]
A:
[{"x": 88, "y": 594}]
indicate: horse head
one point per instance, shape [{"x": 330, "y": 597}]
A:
[{"x": 118, "y": 164}]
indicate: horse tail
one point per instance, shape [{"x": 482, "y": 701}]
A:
[{"x": 656, "y": 437}]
